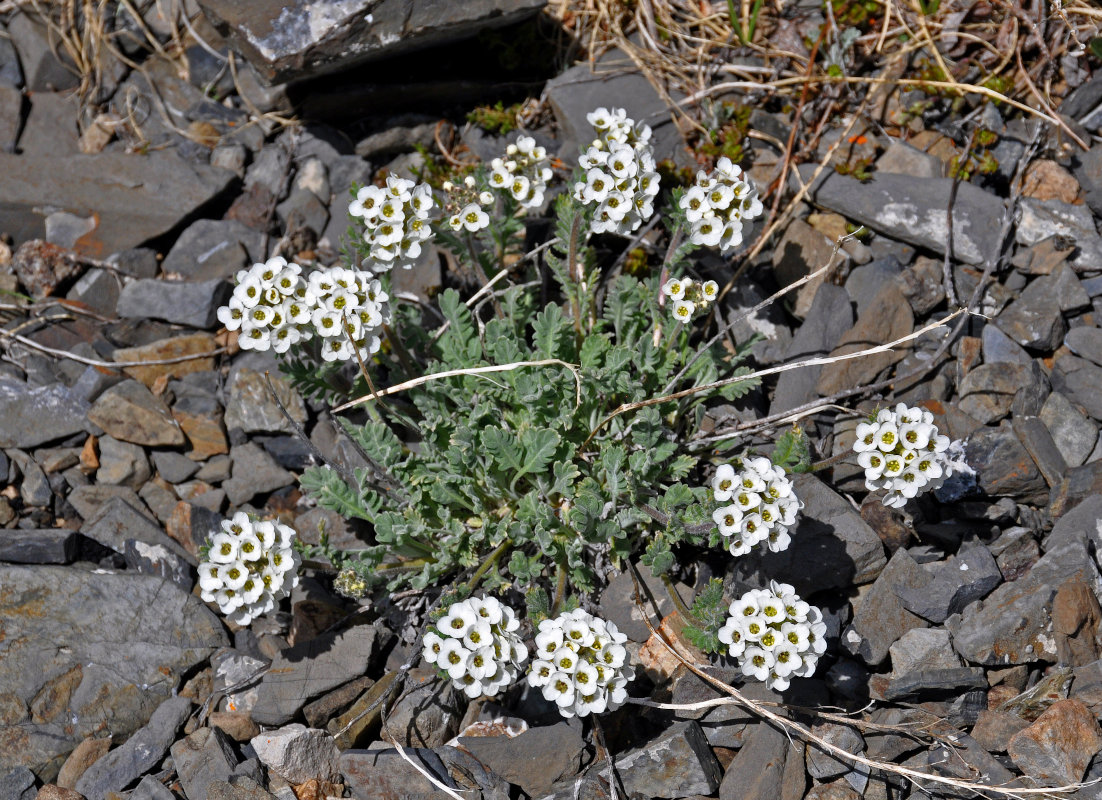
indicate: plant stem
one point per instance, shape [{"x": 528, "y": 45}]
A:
[
  {"x": 560, "y": 588},
  {"x": 491, "y": 560},
  {"x": 830, "y": 462},
  {"x": 571, "y": 259},
  {"x": 678, "y": 603},
  {"x": 675, "y": 242},
  {"x": 481, "y": 273}
]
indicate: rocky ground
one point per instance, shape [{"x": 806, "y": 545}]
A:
[{"x": 964, "y": 634}]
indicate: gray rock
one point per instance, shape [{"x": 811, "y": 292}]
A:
[
  {"x": 1013, "y": 624},
  {"x": 1042, "y": 219},
  {"x": 998, "y": 348},
  {"x": 829, "y": 317},
  {"x": 285, "y": 41},
  {"x": 1034, "y": 320},
  {"x": 183, "y": 302},
  {"x": 865, "y": 281},
  {"x": 42, "y": 70},
  {"x": 1085, "y": 342},
  {"x": 306, "y": 670},
  {"x": 201, "y": 758},
  {"x": 134, "y": 198},
  {"x": 535, "y": 759},
  {"x": 1038, "y": 442},
  {"x": 119, "y": 645},
  {"x": 987, "y": 391},
  {"x": 680, "y": 750},
  {"x": 11, "y": 116},
  {"x": 821, "y": 764},
  {"x": 47, "y": 546},
  {"x": 952, "y": 584},
  {"x": 1069, "y": 290},
  {"x": 829, "y": 533},
  {"x": 887, "y": 318},
  {"x": 371, "y": 774},
  {"x": 303, "y": 209},
  {"x": 923, "y": 649},
  {"x": 297, "y": 753},
  {"x": 34, "y": 489},
  {"x": 1075, "y": 435},
  {"x": 1088, "y": 171},
  {"x": 472, "y": 775},
  {"x": 129, "y": 412},
  {"x": 881, "y": 619},
  {"x": 18, "y": 784},
  {"x": 173, "y": 467},
  {"x": 122, "y": 463},
  {"x": 618, "y": 602},
  {"x": 51, "y": 128},
  {"x": 913, "y": 210},
  {"x": 137, "y": 755},
  {"x": 11, "y": 75},
  {"x": 760, "y": 766},
  {"x": 98, "y": 289},
  {"x": 928, "y": 683},
  {"x": 344, "y": 172},
  {"x": 214, "y": 248},
  {"x": 87, "y": 499},
  {"x": 579, "y": 90},
  {"x": 252, "y": 408},
  {"x": 768, "y": 322},
  {"x": 1058, "y": 747},
  {"x": 1003, "y": 465},
  {"x": 428, "y": 712},
  {"x": 149, "y": 788},
  {"x": 33, "y": 416},
  {"x": 1080, "y": 381},
  {"x": 254, "y": 472}
]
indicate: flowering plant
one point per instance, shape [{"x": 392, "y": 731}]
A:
[{"x": 476, "y": 645}]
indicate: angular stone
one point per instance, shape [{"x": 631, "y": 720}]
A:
[
  {"x": 912, "y": 210},
  {"x": 881, "y": 618},
  {"x": 618, "y": 604},
  {"x": 532, "y": 760},
  {"x": 196, "y": 344},
  {"x": 923, "y": 649},
  {"x": 47, "y": 546},
  {"x": 802, "y": 251},
  {"x": 953, "y": 584},
  {"x": 18, "y": 784},
  {"x": 311, "y": 668},
  {"x": 43, "y": 70},
  {"x": 319, "y": 712},
  {"x": 887, "y": 318},
  {"x": 194, "y": 304},
  {"x": 1080, "y": 381},
  {"x": 372, "y": 774},
  {"x": 254, "y": 472},
  {"x": 192, "y": 526},
  {"x": 1074, "y": 435},
  {"x": 32, "y": 416},
  {"x": 830, "y": 533},
  {"x": 138, "y": 754},
  {"x": 829, "y": 317},
  {"x": 922, "y": 684},
  {"x": 297, "y": 753},
  {"x": 51, "y": 126},
  {"x": 201, "y": 758},
  {"x": 128, "y": 411},
  {"x": 201, "y": 422},
  {"x": 133, "y": 198},
  {"x": 821, "y": 764},
  {"x": 1034, "y": 320},
  {"x": 428, "y": 712},
  {"x": 83, "y": 756},
  {"x": 241, "y": 789},
  {"x": 1056, "y": 749},
  {"x": 172, "y": 466},
  {"x": 987, "y": 391},
  {"x": 994, "y": 729},
  {"x": 1038, "y": 442},
  {"x": 285, "y": 41},
  {"x": 1013, "y": 625},
  {"x": 680, "y": 750},
  {"x": 214, "y": 248},
  {"x": 1003, "y": 465},
  {"x": 42, "y": 267},
  {"x": 759, "y": 767},
  {"x": 1043, "y": 219},
  {"x": 122, "y": 463},
  {"x": 252, "y": 408}
]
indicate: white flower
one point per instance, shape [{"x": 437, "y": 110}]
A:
[
  {"x": 476, "y": 646},
  {"x": 249, "y": 567},
  {"x": 581, "y": 665},
  {"x": 717, "y": 205},
  {"x": 774, "y": 635},
  {"x": 683, "y": 310},
  {"x": 620, "y": 173},
  {"x": 761, "y": 506},
  {"x": 473, "y": 218},
  {"x": 902, "y": 452}
]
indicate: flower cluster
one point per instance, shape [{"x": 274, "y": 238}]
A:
[
  {"x": 774, "y": 635},
  {"x": 476, "y": 645},
  {"x": 463, "y": 204},
  {"x": 523, "y": 173},
  {"x": 396, "y": 221},
  {"x": 620, "y": 177},
  {"x": 901, "y": 451},
  {"x": 716, "y": 205},
  {"x": 274, "y": 307},
  {"x": 581, "y": 664},
  {"x": 688, "y": 296},
  {"x": 764, "y": 506},
  {"x": 249, "y": 567}
]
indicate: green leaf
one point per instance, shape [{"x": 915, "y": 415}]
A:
[
  {"x": 565, "y": 474},
  {"x": 459, "y": 344},
  {"x": 593, "y": 350},
  {"x": 612, "y": 461},
  {"x": 658, "y": 556},
  {"x": 333, "y": 493},
  {"x": 376, "y": 439},
  {"x": 792, "y": 451},
  {"x": 733, "y": 391},
  {"x": 549, "y": 331},
  {"x": 1096, "y": 47},
  {"x": 539, "y": 447},
  {"x": 505, "y": 449},
  {"x": 538, "y": 605}
]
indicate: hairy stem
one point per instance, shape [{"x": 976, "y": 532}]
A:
[
  {"x": 481, "y": 274},
  {"x": 491, "y": 560},
  {"x": 560, "y": 589},
  {"x": 830, "y": 462}
]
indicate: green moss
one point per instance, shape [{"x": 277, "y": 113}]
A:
[{"x": 498, "y": 119}]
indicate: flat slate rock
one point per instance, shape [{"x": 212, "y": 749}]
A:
[
  {"x": 118, "y": 646},
  {"x": 47, "y": 546},
  {"x": 130, "y": 413},
  {"x": 300, "y": 39},
  {"x": 214, "y": 248},
  {"x": 133, "y": 198},
  {"x": 191, "y": 303},
  {"x": 30, "y": 416},
  {"x": 912, "y": 210}
]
